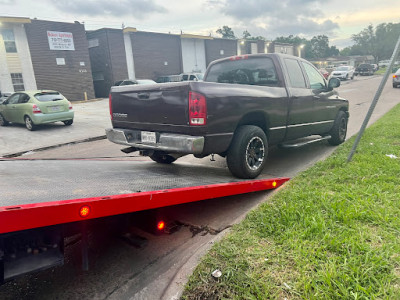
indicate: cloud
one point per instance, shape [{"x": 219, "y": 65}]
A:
[
  {"x": 7, "y": 2},
  {"x": 278, "y": 18},
  {"x": 136, "y": 8}
]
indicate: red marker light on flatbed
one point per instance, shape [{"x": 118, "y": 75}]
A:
[
  {"x": 84, "y": 211},
  {"x": 161, "y": 225}
]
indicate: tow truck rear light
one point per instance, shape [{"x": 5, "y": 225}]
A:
[
  {"x": 109, "y": 103},
  {"x": 84, "y": 211},
  {"x": 36, "y": 109},
  {"x": 161, "y": 225},
  {"x": 197, "y": 109}
]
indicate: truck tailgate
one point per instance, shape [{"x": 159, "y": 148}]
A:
[{"x": 162, "y": 104}]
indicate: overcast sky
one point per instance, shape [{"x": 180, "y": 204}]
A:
[{"x": 338, "y": 19}]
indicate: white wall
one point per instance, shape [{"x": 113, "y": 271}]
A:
[
  {"x": 193, "y": 55},
  {"x": 19, "y": 62},
  {"x": 24, "y": 54},
  {"x": 5, "y": 78},
  {"x": 129, "y": 55}
]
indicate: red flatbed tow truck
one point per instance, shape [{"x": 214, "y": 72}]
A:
[{"x": 44, "y": 201}]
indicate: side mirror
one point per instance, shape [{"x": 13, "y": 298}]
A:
[{"x": 333, "y": 83}]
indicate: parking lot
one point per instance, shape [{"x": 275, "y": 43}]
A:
[{"x": 91, "y": 119}]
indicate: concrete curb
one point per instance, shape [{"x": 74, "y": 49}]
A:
[{"x": 20, "y": 153}]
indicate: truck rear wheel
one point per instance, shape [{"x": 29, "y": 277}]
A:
[
  {"x": 162, "y": 158},
  {"x": 339, "y": 129},
  {"x": 248, "y": 152}
]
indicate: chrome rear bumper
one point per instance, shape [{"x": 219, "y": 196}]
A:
[{"x": 168, "y": 142}]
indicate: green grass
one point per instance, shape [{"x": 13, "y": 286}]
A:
[{"x": 333, "y": 232}]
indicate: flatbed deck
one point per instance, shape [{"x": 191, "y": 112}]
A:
[{"x": 37, "y": 193}]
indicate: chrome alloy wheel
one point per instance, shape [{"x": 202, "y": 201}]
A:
[{"x": 255, "y": 153}]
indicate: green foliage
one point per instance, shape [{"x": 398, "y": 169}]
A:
[
  {"x": 331, "y": 233},
  {"x": 378, "y": 42},
  {"x": 226, "y": 32}
]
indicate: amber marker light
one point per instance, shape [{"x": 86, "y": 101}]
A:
[
  {"x": 161, "y": 225},
  {"x": 274, "y": 184},
  {"x": 84, "y": 211}
]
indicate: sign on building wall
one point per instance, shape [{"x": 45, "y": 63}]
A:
[{"x": 60, "y": 40}]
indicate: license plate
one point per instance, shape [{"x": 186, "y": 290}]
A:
[
  {"x": 54, "y": 108},
  {"x": 148, "y": 137}
]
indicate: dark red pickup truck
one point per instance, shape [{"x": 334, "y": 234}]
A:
[{"x": 244, "y": 105}]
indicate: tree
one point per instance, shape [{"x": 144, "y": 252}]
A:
[
  {"x": 226, "y": 32},
  {"x": 378, "y": 42},
  {"x": 246, "y": 34},
  {"x": 320, "y": 45}
]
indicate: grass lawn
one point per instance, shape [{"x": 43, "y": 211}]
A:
[{"x": 333, "y": 232}]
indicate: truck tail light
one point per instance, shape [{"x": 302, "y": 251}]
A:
[
  {"x": 197, "y": 109},
  {"x": 109, "y": 103},
  {"x": 36, "y": 109}
]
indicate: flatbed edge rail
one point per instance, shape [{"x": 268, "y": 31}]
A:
[{"x": 29, "y": 216}]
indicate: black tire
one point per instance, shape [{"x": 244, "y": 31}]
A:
[
  {"x": 29, "y": 124},
  {"x": 162, "y": 158},
  {"x": 3, "y": 121},
  {"x": 68, "y": 122},
  {"x": 247, "y": 154},
  {"x": 339, "y": 129}
]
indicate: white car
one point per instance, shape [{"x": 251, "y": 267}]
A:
[
  {"x": 396, "y": 79},
  {"x": 343, "y": 72}
]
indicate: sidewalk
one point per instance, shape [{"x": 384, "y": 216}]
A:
[{"x": 90, "y": 121}]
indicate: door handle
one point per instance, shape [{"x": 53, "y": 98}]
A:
[{"x": 143, "y": 96}]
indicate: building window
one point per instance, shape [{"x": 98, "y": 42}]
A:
[
  {"x": 98, "y": 76},
  {"x": 17, "y": 81},
  {"x": 93, "y": 43},
  {"x": 9, "y": 40}
]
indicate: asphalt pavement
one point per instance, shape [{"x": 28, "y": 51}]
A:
[{"x": 91, "y": 119}]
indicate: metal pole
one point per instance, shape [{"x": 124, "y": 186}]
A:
[{"x": 375, "y": 101}]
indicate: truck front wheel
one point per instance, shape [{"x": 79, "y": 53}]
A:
[
  {"x": 248, "y": 152},
  {"x": 339, "y": 129},
  {"x": 162, "y": 158}
]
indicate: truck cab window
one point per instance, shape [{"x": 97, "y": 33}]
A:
[
  {"x": 317, "y": 81},
  {"x": 255, "y": 71},
  {"x": 296, "y": 76}
]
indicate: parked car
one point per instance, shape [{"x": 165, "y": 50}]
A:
[
  {"x": 396, "y": 79},
  {"x": 4, "y": 96},
  {"x": 365, "y": 69},
  {"x": 33, "y": 108},
  {"x": 324, "y": 73},
  {"x": 192, "y": 76},
  {"x": 376, "y": 67},
  {"x": 169, "y": 78},
  {"x": 134, "y": 81},
  {"x": 343, "y": 72}
]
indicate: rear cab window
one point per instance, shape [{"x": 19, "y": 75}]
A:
[
  {"x": 252, "y": 71},
  {"x": 49, "y": 96}
]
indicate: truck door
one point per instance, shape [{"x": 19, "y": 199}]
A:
[
  {"x": 10, "y": 109},
  {"x": 324, "y": 101},
  {"x": 301, "y": 102}
]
